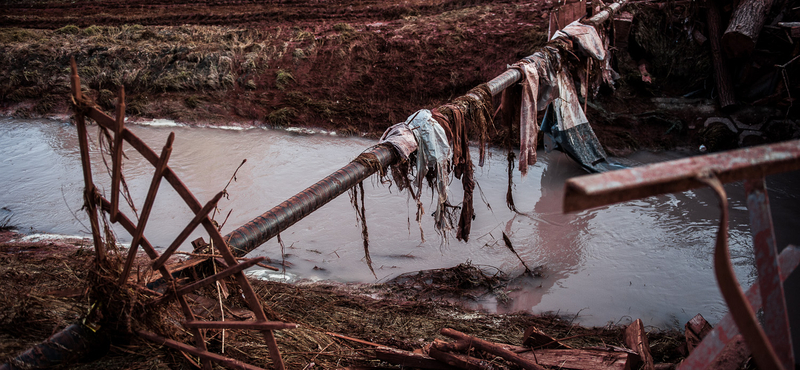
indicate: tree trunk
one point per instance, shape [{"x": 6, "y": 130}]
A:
[
  {"x": 740, "y": 38},
  {"x": 721, "y": 75}
]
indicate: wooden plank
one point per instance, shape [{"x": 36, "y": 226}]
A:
[
  {"x": 116, "y": 175},
  {"x": 581, "y": 359},
  {"x": 248, "y": 325},
  {"x": 408, "y": 359},
  {"x": 636, "y": 339}
]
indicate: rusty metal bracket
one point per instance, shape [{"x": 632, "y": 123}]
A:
[{"x": 771, "y": 346}]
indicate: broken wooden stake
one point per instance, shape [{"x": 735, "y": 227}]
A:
[
  {"x": 696, "y": 329},
  {"x": 636, "y": 339}
]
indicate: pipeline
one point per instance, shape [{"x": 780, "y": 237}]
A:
[{"x": 251, "y": 235}]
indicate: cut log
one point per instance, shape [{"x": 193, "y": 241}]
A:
[
  {"x": 407, "y": 359},
  {"x": 747, "y": 19},
  {"x": 696, "y": 329},
  {"x": 580, "y": 359},
  {"x": 636, "y": 339},
  {"x": 721, "y": 75},
  {"x": 536, "y": 338}
]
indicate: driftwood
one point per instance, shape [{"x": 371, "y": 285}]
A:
[
  {"x": 746, "y": 22},
  {"x": 636, "y": 339},
  {"x": 721, "y": 74}
]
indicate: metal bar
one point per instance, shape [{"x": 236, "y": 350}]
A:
[
  {"x": 266, "y": 226},
  {"x": 148, "y": 206},
  {"x": 251, "y": 325},
  {"x": 219, "y": 276},
  {"x": 160, "y": 261},
  {"x": 743, "y": 314},
  {"x": 601, "y": 189},
  {"x": 247, "y": 290},
  {"x": 225, "y": 361},
  {"x": 116, "y": 176},
  {"x": 776, "y": 319},
  {"x": 712, "y": 345}
]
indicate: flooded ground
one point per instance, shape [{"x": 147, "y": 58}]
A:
[{"x": 648, "y": 259}]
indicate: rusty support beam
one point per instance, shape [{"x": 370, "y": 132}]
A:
[
  {"x": 249, "y": 236},
  {"x": 725, "y": 330},
  {"x": 219, "y": 276},
  {"x": 602, "y": 189},
  {"x": 776, "y": 319}
]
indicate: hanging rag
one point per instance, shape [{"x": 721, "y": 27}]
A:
[
  {"x": 586, "y": 39},
  {"x": 401, "y": 138},
  {"x": 433, "y": 157},
  {"x": 453, "y": 123}
]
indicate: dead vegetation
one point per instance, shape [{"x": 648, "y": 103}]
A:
[{"x": 46, "y": 289}]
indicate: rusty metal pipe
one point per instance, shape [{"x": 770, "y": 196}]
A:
[
  {"x": 249, "y": 236},
  {"x": 256, "y": 232}
]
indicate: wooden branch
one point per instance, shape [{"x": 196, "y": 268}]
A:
[
  {"x": 746, "y": 22},
  {"x": 492, "y": 348}
]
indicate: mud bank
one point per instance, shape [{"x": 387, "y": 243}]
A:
[{"x": 46, "y": 282}]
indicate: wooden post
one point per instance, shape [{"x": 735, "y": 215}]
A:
[
  {"x": 740, "y": 38},
  {"x": 721, "y": 75}
]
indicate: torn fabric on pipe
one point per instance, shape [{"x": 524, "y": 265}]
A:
[
  {"x": 585, "y": 38},
  {"x": 401, "y": 138},
  {"x": 568, "y": 129},
  {"x": 433, "y": 156}
]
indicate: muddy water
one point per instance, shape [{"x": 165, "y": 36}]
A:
[{"x": 648, "y": 259}]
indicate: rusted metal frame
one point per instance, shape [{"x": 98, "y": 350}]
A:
[
  {"x": 725, "y": 330},
  {"x": 248, "y": 325},
  {"x": 116, "y": 176},
  {"x": 219, "y": 276},
  {"x": 131, "y": 228},
  {"x": 743, "y": 314},
  {"x": 203, "y": 354},
  {"x": 247, "y": 290},
  {"x": 676, "y": 176},
  {"x": 160, "y": 261},
  {"x": 148, "y": 206},
  {"x": 148, "y": 154},
  {"x": 197, "y": 333},
  {"x": 776, "y": 318},
  {"x": 89, "y": 191}
]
